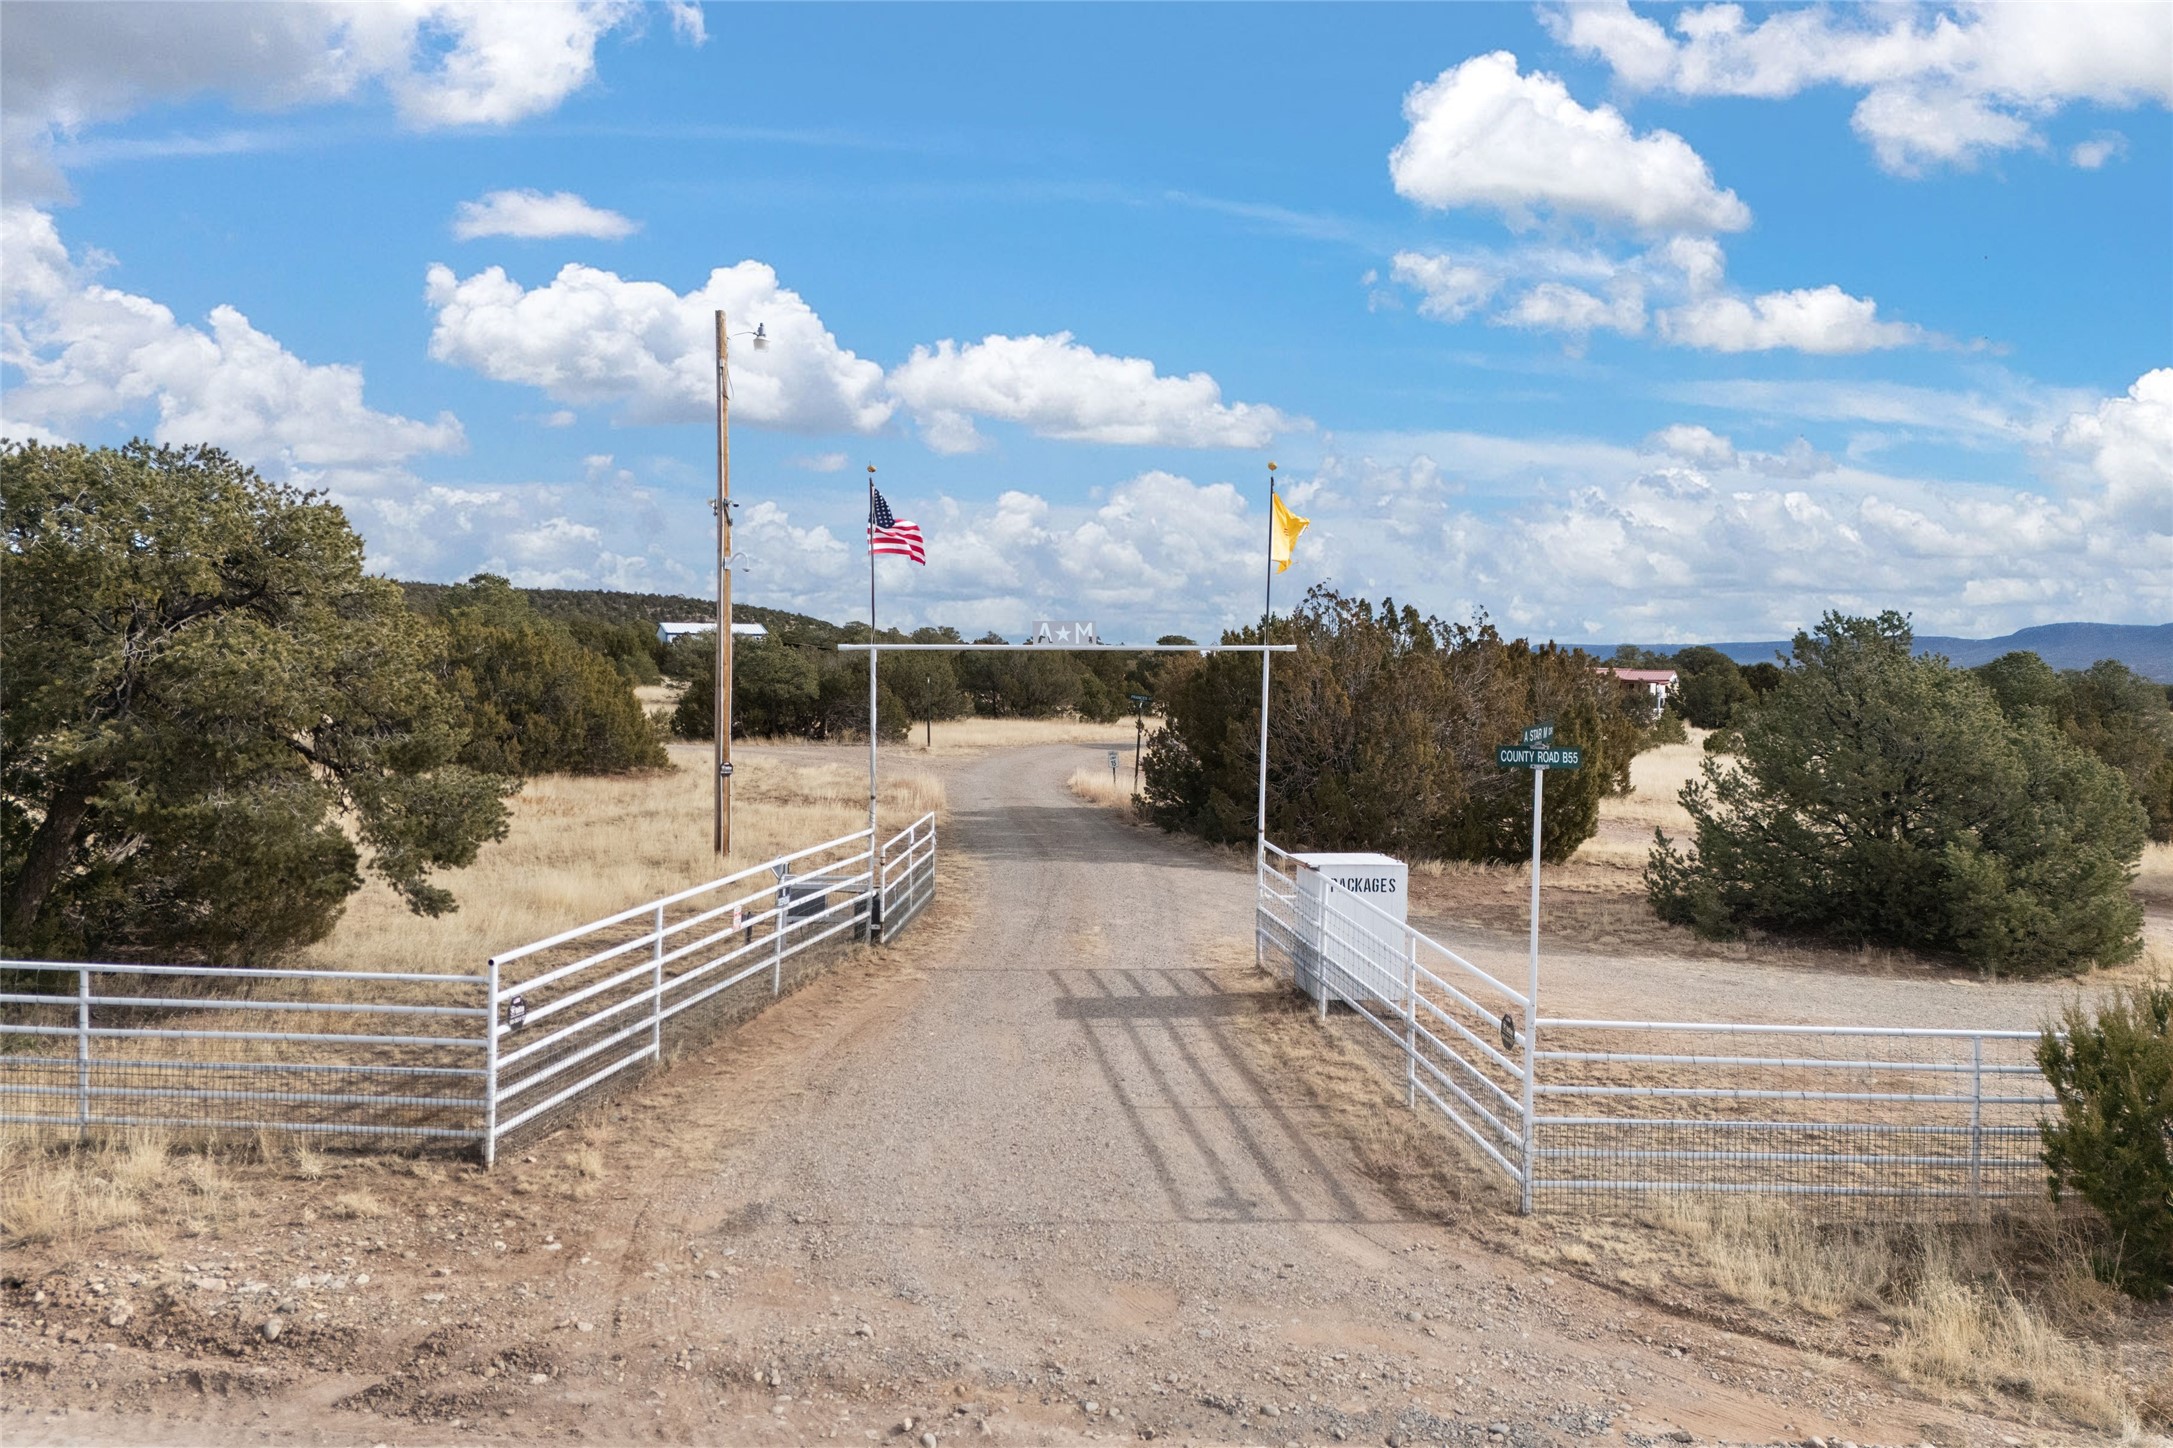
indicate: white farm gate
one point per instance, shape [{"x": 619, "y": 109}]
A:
[
  {"x": 1570, "y": 1110},
  {"x": 465, "y": 1059}
]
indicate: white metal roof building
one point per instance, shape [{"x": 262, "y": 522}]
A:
[{"x": 667, "y": 632}]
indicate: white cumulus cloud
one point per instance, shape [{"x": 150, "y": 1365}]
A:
[
  {"x": 2092, "y": 154},
  {"x": 90, "y": 354},
  {"x": 1941, "y": 84},
  {"x": 1694, "y": 444},
  {"x": 1057, "y": 388},
  {"x": 1556, "y": 307},
  {"x": 1823, "y": 320},
  {"x": 441, "y": 62},
  {"x": 531, "y": 215},
  {"x": 1449, "y": 290},
  {"x": 1678, "y": 283},
  {"x": 591, "y": 337},
  {"x": 2129, "y": 444},
  {"x": 1483, "y": 135}
]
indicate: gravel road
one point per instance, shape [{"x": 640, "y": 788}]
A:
[
  {"x": 1045, "y": 1187},
  {"x": 1026, "y": 1177}
]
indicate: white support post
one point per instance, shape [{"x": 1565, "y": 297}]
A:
[
  {"x": 1976, "y": 1120},
  {"x": 1531, "y": 994},
  {"x": 490, "y": 1069},
  {"x": 1259, "y": 893},
  {"x": 777, "y": 937},
  {"x": 83, "y": 1053},
  {"x": 1410, "y": 1021},
  {"x": 1320, "y": 960},
  {"x": 656, "y": 988}
]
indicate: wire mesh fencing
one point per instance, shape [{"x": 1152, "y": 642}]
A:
[
  {"x": 1872, "y": 1113},
  {"x": 356, "y": 1054},
  {"x": 466, "y": 1060},
  {"x": 1879, "y": 1118}
]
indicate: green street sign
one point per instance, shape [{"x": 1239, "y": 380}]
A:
[
  {"x": 1539, "y": 734},
  {"x": 1511, "y": 756}
]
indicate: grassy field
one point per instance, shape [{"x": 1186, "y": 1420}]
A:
[{"x": 585, "y": 847}]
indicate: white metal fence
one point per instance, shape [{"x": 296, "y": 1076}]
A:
[
  {"x": 1585, "y": 1110},
  {"x": 456, "y": 1058},
  {"x": 1463, "y": 1034}
]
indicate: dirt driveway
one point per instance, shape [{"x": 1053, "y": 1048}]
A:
[{"x": 1028, "y": 1175}]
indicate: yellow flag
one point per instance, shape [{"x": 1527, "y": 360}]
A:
[{"x": 1284, "y": 531}]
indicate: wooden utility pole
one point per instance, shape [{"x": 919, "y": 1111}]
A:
[{"x": 721, "y": 718}]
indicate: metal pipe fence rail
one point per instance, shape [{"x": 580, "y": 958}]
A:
[
  {"x": 908, "y": 875},
  {"x": 1609, "y": 1111},
  {"x": 446, "y": 1058}
]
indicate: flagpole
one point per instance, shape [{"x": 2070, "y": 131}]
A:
[
  {"x": 873, "y": 864},
  {"x": 1267, "y": 613}
]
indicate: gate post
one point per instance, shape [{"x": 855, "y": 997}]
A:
[
  {"x": 777, "y": 940},
  {"x": 83, "y": 1053},
  {"x": 1976, "y": 1121},
  {"x": 656, "y": 1004},
  {"x": 1410, "y": 1021},
  {"x": 490, "y": 1068}
]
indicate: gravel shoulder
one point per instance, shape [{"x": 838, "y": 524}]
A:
[{"x": 1048, "y": 1169}]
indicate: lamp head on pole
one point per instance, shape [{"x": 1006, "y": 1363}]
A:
[{"x": 762, "y": 337}]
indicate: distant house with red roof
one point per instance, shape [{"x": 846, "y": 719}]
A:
[{"x": 1659, "y": 681}]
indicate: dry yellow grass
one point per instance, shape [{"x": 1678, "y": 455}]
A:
[
  {"x": 2154, "y": 879},
  {"x": 63, "y": 1192},
  {"x": 356, "y": 1205},
  {"x": 1096, "y": 787},
  {"x": 1627, "y": 821},
  {"x": 1946, "y": 1290},
  {"x": 584, "y": 847}
]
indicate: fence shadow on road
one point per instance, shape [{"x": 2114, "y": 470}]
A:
[{"x": 1220, "y": 1143}]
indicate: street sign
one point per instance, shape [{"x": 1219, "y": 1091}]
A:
[
  {"x": 1539, "y": 734},
  {"x": 1512, "y": 756},
  {"x": 1112, "y": 761},
  {"x": 1141, "y": 699}
]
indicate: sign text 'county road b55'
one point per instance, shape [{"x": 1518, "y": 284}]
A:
[{"x": 1511, "y": 756}]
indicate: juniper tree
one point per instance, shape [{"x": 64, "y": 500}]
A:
[
  {"x": 213, "y": 717},
  {"x": 1878, "y": 797}
]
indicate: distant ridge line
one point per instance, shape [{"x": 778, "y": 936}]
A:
[{"x": 2146, "y": 648}]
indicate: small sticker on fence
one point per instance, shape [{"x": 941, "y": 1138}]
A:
[
  {"x": 516, "y": 1012},
  {"x": 1508, "y": 1031}
]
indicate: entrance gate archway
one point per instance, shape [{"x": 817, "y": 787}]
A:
[{"x": 875, "y": 651}]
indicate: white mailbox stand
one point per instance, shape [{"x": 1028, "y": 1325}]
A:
[{"x": 1347, "y": 952}]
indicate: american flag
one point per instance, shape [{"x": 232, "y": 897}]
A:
[{"x": 887, "y": 535}]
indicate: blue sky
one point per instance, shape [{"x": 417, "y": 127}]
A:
[{"x": 1666, "y": 323}]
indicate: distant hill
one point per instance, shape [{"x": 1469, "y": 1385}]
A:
[
  {"x": 603, "y": 605},
  {"x": 2146, "y": 648}
]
